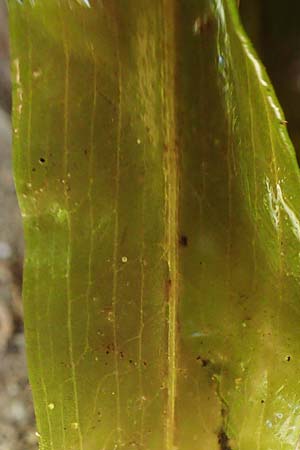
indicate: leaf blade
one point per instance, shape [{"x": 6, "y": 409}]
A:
[{"x": 160, "y": 215}]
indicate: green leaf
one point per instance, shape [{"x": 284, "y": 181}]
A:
[{"x": 160, "y": 196}]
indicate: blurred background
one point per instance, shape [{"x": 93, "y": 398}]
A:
[
  {"x": 275, "y": 31},
  {"x": 274, "y": 28}
]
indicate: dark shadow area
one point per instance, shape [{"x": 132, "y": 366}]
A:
[{"x": 273, "y": 27}]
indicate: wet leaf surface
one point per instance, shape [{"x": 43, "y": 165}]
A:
[{"x": 160, "y": 197}]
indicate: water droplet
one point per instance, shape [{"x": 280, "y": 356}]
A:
[
  {"x": 138, "y": 141},
  {"x": 221, "y": 61},
  {"x": 37, "y": 434},
  {"x": 74, "y": 425},
  {"x": 124, "y": 259},
  {"x": 51, "y": 406},
  {"x": 110, "y": 316}
]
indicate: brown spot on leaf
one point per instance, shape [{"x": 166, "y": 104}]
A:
[
  {"x": 183, "y": 240},
  {"x": 223, "y": 440},
  {"x": 204, "y": 361}
]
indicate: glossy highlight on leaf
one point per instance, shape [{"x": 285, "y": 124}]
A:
[{"x": 160, "y": 196}]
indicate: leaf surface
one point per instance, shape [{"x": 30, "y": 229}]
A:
[{"x": 160, "y": 195}]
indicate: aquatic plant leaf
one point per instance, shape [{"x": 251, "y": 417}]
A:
[{"x": 160, "y": 196}]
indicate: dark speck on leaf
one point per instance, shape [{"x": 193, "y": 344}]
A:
[
  {"x": 223, "y": 412},
  {"x": 42, "y": 160},
  {"x": 204, "y": 362},
  {"x": 183, "y": 241},
  {"x": 223, "y": 440}
]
